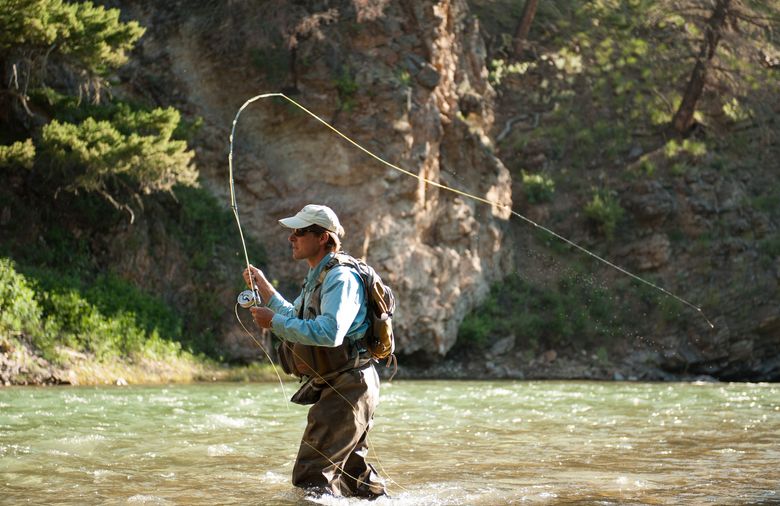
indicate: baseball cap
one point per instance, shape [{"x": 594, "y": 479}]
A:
[{"x": 314, "y": 214}]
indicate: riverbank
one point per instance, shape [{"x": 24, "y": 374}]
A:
[{"x": 19, "y": 365}]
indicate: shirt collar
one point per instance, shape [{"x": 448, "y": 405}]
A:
[{"x": 315, "y": 272}]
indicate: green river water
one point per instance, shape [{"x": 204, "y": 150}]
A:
[{"x": 440, "y": 442}]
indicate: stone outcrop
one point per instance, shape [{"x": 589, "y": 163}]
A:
[
  {"x": 714, "y": 258},
  {"x": 406, "y": 80}
]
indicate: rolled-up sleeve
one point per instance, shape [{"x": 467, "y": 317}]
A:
[{"x": 341, "y": 299}]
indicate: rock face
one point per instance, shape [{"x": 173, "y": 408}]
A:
[
  {"x": 716, "y": 258},
  {"x": 406, "y": 80}
]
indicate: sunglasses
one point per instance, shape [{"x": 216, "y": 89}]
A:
[{"x": 314, "y": 229}]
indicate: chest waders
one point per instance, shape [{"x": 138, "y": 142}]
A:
[{"x": 343, "y": 388}]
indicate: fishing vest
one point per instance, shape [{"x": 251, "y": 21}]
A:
[{"x": 317, "y": 361}]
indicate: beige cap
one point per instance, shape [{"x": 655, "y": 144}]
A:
[{"x": 314, "y": 214}]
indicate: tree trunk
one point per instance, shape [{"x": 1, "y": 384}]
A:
[
  {"x": 683, "y": 118},
  {"x": 521, "y": 34}
]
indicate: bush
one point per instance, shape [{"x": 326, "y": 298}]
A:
[
  {"x": 108, "y": 318},
  {"x": 85, "y": 35},
  {"x": 604, "y": 209},
  {"x": 538, "y": 187},
  {"x": 571, "y": 311},
  {"x": 18, "y": 154},
  {"x": 19, "y": 309}
]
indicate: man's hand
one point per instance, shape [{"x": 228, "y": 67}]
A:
[
  {"x": 256, "y": 273},
  {"x": 262, "y": 316}
]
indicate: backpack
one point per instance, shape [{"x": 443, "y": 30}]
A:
[{"x": 381, "y": 305}]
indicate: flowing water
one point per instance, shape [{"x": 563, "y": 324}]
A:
[{"x": 442, "y": 442}]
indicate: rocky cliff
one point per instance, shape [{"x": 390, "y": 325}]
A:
[{"x": 407, "y": 80}]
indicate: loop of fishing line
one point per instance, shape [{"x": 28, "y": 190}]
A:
[
  {"x": 436, "y": 184},
  {"x": 476, "y": 198}
]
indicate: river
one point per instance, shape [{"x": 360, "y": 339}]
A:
[{"x": 438, "y": 442}]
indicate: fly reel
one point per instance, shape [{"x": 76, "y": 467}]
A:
[{"x": 248, "y": 298}]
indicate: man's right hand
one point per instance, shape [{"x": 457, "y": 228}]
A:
[{"x": 256, "y": 273}]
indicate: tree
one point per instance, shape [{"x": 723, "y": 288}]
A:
[
  {"x": 683, "y": 118},
  {"x": 54, "y": 60},
  {"x": 39, "y": 38},
  {"x": 734, "y": 39},
  {"x": 524, "y": 27}
]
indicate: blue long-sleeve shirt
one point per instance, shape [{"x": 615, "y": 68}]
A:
[{"x": 342, "y": 307}]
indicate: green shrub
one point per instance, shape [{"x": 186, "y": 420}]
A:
[
  {"x": 571, "y": 311},
  {"x": 19, "y": 309},
  {"x": 347, "y": 88},
  {"x": 18, "y": 154},
  {"x": 604, "y": 209},
  {"x": 88, "y": 36},
  {"x": 107, "y": 317},
  {"x": 538, "y": 187}
]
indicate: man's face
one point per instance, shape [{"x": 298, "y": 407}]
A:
[{"x": 306, "y": 244}]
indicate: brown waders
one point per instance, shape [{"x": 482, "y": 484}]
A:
[
  {"x": 343, "y": 388},
  {"x": 333, "y": 451}
]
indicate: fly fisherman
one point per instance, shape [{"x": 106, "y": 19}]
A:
[{"x": 322, "y": 342}]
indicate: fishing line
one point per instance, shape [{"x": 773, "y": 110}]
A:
[
  {"x": 327, "y": 383},
  {"x": 443, "y": 187},
  {"x": 498, "y": 205},
  {"x": 286, "y": 405},
  {"x": 281, "y": 384}
]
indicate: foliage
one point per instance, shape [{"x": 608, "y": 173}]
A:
[
  {"x": 19, "y": 310},
  {"x": 347, "y": 88},
  {"x": 86, "y": 36},
  {"x": 695, "y": 149},
  {"x": 404, "y": 78},
  {"x": 608, "y": 76},
  {"x": 125, "y": 153},
  {"x": 274, "y": 62},
  {"x": 573, "y": 311},
  {"x": 108, "y": 318},
  {"x": 604, "y": 208},
  {"x": 135, "y": 147},
  {"x": 117, "y": 151},
  {"x": 500, "y": 68},
  {"x": 206, "y": 232},
  {"x": 18, "y": 154},
  {"x": 538, "y": 187}
]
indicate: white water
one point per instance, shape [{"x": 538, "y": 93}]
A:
[{"x": 442, "y": 443}]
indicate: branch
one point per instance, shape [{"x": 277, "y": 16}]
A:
[
  {"x": 508, "y": 127},
  {"x": 755, "y": 20},
  {"x": 22, "y": 99},
  {"x": 117, "y": 205}
]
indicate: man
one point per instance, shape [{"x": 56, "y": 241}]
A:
[{"x": 322, "y": 343}]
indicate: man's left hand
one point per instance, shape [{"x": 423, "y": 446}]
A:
[{"x": 262, "y": 316}]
